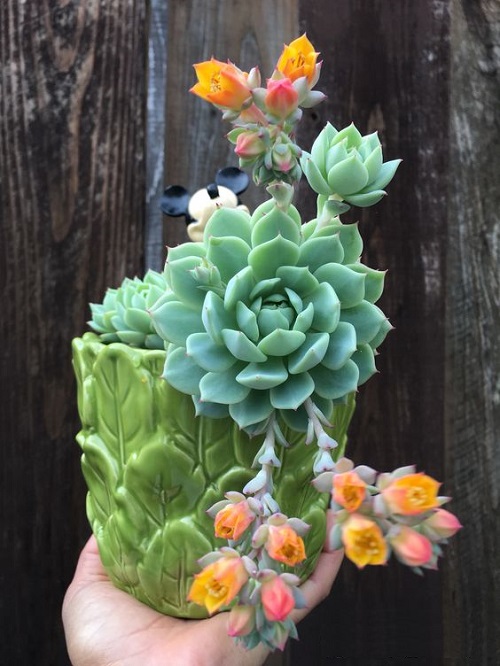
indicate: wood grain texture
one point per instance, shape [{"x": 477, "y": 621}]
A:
[
  {"x": 72, "y": 103},
  {"x": 156, "y": 128},
  {"x": 249, "y": 34},
  {"x": 386, "y": 69},
  {"x": 472, "y": 591}
]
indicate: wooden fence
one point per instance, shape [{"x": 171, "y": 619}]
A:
[{"x": 95, "y": 118}]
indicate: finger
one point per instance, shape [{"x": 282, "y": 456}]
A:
[
  {"x": 89, "y": 568},
  {"x": 318, "y": 586}
]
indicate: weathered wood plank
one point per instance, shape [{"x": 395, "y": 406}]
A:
[
  {"x": 472, "y": 592},
  {"x": 72, "y": 101},
  {"x": 156, "y": 126},
  {"x": 386, "y": 68},
  {"x": 249, "y": 34}
]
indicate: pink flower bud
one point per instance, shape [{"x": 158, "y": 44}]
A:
[
  {"x": 241, "y": 620},
  {"x": 443, "y": 523},
  {"x": 281, "y": 99},
  {"x": 249, "y": 145},
  {"x": 411, "y": 547},
  {"x": 277, "y": 599}
]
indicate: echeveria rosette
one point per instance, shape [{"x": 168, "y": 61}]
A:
[
  {"x": 123, "y": 315},
  {"x": 346, "y": 166},
  {"x": 291, "y": 316}
]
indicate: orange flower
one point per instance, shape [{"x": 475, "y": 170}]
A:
[
  {"x": 364, "y": 542},
  {"x": 232, "y": 520},
  {"x": 349, "y": 490},
  {"x": 222, "y": 84},
  {"x": 218, "y": 583},
  {"x": 298, "y": 59},
  {"x": 412, "y": 494},
  {"x": 284, "y": 545}
]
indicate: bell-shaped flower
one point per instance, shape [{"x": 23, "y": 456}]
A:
[
  {"x": 409, "y": 546},
  {"x": 277, "y": 599},
  {"x": 283, "y": 544},
  {"x": 411, "y": 494},
  {"x": 349, "y": 490},
  {"x": 222, "y": 84},
  {"x": 299, "y": 59},
  {"x": 364, "y": 541},
  {"x": 219, "y": 583},
  {"x": 232, "y": 520}
]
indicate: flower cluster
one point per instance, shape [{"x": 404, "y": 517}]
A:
[
  {"x": 379, "y": 514},
  {"x": 265, "y": 118},
  {"x": 250, "y": 573}
]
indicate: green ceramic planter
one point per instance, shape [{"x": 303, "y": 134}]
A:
[{"x": 153, "y": 468}]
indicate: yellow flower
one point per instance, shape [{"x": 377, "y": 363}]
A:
[
  {"x": 218, "y": 583},
  {"x": 298, "y": 59},
  {"x": 349, "y": 490},
  {"x": 412, "y": 494},
  {"x": 222, "y": 84},
  {"x": 284, "y": 545},
  {"x": 364, "y": 542},
  {"x": 233, "y": 520}
]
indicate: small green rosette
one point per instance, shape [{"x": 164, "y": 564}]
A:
[{"x": 346, "y": 166}]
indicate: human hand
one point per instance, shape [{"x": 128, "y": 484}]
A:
[{"x": 105, "y": 626}]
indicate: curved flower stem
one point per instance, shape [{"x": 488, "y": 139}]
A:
[{"x": 323, "y": 461}]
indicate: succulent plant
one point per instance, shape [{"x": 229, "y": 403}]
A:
[
  {"x": 348, "y": 167},
  {"x": 123, "y": 315},
  {"x": 265, "y": 314}
]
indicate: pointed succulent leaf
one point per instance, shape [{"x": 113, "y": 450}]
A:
[
  {"x": 263, "y": 375},
  {"x": 247, "y": 321},
  {"x": 292, "y": 393},
  {"x": 348, "y": 176},
  {"x": 341, "y": 346},
  {"x": 367, "y": 199},
  {"x": 314, "y": 177},
  {"x": 374, "y": 282},
  {"x": 256, "y": 408},
  {"x": 229, "y": 222},
  {"x": 310, "y": 354},
  {"x": 241, "y": 347},
  {"x": 366, "y": 319},
  {"x": 348, "y": 284},
  {"x": 222, "y": 387},
  {"x": 318, "y": 251},
  {"x": 267, "y": 258},
  {"x": 275, "y": 223},
  {"x": 182, "y": 282},
  {"x": 182, "y": 372},
  {"x": 326, "y": 308},
  {"x": 298, "y": 278},
  {"x": 229, "y": 254},
  {"x": 206, "y": 353},
  {"x": 174, "y": 321},
  {"x": 281, "y": 342},
  {"x": 337, "y": 384},
  {"x": 303, "y": 321},
  {"x": 239, "y": 287},
  {"x": 385, "y": 328},
  {"x": 364, "y": 359},
  {"x": 215, "y": 317}
]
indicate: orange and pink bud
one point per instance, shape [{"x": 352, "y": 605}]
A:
[
  {"x": 281, "y": 99},
  {"x": 249, "y": 145},
  {"x": 284, "y": 545},
  {"x": 233, "y": 520},
  {"x": 241, "y": 620},
  {"x": 219, "y": 583},
  {"x": 363, "y": 541},
  {"x": 411, "y": 547},
  {"x": 277, "y": 599},
  {"x": 349, "y": 490},
  {"x": 443, "y": 524},
  {"x": 411, "y": 494},
  {"x": 222, "y": 84}
]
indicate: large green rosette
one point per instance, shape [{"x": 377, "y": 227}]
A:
[{"x": 153, "y": 468}]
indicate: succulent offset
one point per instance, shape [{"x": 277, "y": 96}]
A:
[
  {"x": 265, "y": 314},
  {"x": 348, "y": 167},
  {"x": 123, "y": 315}
]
